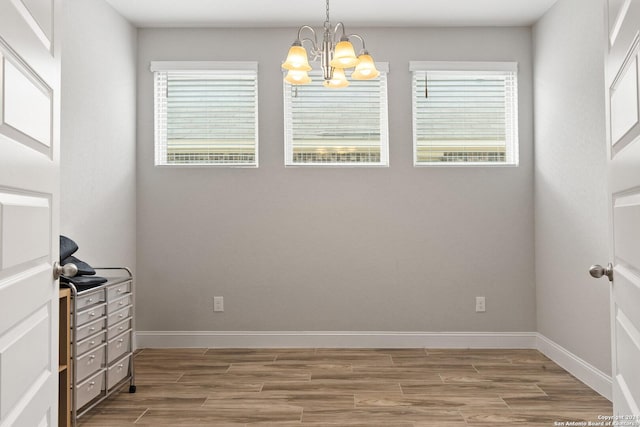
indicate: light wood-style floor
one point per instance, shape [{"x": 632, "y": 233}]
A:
[{"x": 346, "y": 387}]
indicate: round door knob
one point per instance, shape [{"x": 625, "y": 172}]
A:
[
  {"x": 68, "y": 270},
  {"x": 598, "y": 271}
]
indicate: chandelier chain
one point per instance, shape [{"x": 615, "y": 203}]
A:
[{"x": 328, "y": 11}]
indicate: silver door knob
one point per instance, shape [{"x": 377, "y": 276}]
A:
[
  {"x": 68, "y": 270},
  {"x": 598, "y": 271}
]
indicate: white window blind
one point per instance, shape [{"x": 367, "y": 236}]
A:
[
  {"x": 337, "y": 127},
  {"x": 206, "y": 113},
  {"x": 465, "y": 113}
]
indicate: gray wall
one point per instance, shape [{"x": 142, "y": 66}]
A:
[
  {"x": 389, "y": 249},
  {"x": 98, "y": 133},
  {"x": 570, "y": 179}
]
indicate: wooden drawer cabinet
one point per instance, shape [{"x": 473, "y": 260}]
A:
[
  {"x": 101, "y": 341},
  {"x": 64, "y": 360}
]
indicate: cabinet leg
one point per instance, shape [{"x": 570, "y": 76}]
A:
[{"x": 132, "y": 388}]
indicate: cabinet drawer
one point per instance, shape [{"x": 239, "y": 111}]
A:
[
  {"x": 119, "y": 303},
  {"x": 90, "y": 389},
  {"x": 89, "y": 363},
  {"x": 90, "y": 329},
  {"x": 119, "y": 346},
  {"x": 87, "y": 300},
  {"x": 118, "y": 316},
  {"x": 90, "y": 314},
  {"x": 116, "y": 291},
  {"x": 118, "y": 371},
  {"x": 91, "y": 343},
  {"x": 118, "y": 328}
]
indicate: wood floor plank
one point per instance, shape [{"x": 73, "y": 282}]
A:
[
  {"x": 477, "y": 389},
  {"x": 441, "y": 423},
  {"x": 377, "y": 373},
  {"x": 559, "y": 403},
  {"x": 248, "y": 376},
  {"x": 181, "y": 365},
  {"x": 428, "y": 401},
  {"x": 519, "y": 370},
  {"x": 126, "y": 400},
  {"x": 215, "y": 416},
  {"x": 355, "y": 359},
  {"x": 333, "y": 386},
  {"x": 379, "y": 415},
  {"x": 144, "y": 377},
  {"x": 201, "y": 389},
  {"x": 526, "y": 418},
  {"x": 111, "y": 417},
  {"x": 303, "y": 399},
  {"x": 350, "y": 388}
]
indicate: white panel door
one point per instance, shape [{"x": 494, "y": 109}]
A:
[
  {"x": 29, "y": 196},
  {"x": 623, "y": 138}
]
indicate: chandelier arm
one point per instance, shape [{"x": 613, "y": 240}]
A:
[
  {"x": 359, "y": 37},
  {"x": 335, "y": 31},
  {"x": 314, "y": 48},
  {"x": 314, "y": 41}
]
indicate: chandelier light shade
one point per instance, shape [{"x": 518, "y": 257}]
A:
[
  {"x": 338, "y": 80},
  {"x": 297, "y": 77},
  {"x": 297, "y": 59},
  {"x": 336, "y": 53},
  {"x": 366, "y": 69},
  {"x": 344, "y": 56}
]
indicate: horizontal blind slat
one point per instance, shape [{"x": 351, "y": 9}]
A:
[
  {"x": 336, "y": 126},
  {"x": 463, "y": 116},
  {"x": 206, "y": 117}
]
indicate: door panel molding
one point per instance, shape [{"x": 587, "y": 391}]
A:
[
  {"x": 616, "y": 24},
  {"x": 19, "y": 245},
  {"x": 624, "y": 105},
  {"x": 21, "y": 368},
  {"x": 35, "y": 16},
  {"x": 18, "y": 81}
]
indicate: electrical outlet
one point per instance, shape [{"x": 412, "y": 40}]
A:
[
  {"x": 480, "y": 305},
  {"x": 218, "y": 303}
]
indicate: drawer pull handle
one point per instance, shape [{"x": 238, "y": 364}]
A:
[
  {"x": 93, "y": 356},
  {"x": 90, "y": 300},
  {"x": 121, "y": 328},
  {"x": 92, "y": 343},
  {"x": 121, "y": 303},
  {"x": 91, "y": 384},
  {"x": 121, "y": 340},
  {"x": 92, "y": 329},
  {"x": 120, "y": 366},
  {"x": 119, "y": 290},
  {"x": 92, "y": 314},
  {"x": 120, "y": 316}
]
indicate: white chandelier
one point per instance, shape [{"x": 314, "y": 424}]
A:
[{"x": 334, "y": 57}]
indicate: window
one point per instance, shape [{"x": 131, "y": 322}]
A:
[
  {"x": 206, "y": 113},
  {"x": 465, "y": 113},
  {"x": 337, "y": 127}
]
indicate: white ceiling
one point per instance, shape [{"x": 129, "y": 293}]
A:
[{"x": 279, "y": 13}]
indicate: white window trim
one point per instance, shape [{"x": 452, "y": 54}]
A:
[
  {"x": 383, "y": 67},
  {"x": 167, "y": 66},
  {"x": 202, "y": 65},
  {"x": 462, "y": 66}
]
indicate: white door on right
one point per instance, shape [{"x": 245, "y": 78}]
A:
[{"x": 623, "y": 139}]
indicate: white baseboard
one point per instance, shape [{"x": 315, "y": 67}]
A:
[
  {"x": 584, "y": 371},
  {"x": 334, "y": 339},
  {"x": 579, "y": 368}
]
